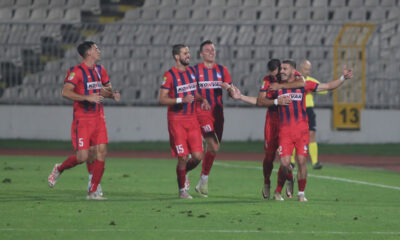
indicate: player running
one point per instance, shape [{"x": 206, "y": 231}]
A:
[
  {"x": 87, "y": 84},
  {"x": 179, "y": 92},
  {"x": 210, "y": 77}
]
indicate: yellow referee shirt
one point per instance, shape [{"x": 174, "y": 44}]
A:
[{"x": 309, "y": 96}]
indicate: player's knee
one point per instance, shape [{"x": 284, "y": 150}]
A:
[
  {"x": 197, "y": 156},
  {"x": 82, "y": 157}
]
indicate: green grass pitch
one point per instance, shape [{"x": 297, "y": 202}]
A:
[{"x": 344, "y": 203}]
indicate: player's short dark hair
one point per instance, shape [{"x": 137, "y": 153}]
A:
[
  {"x": 176, "y": 49},
  {"x": 206, "y": 42},
  {"x": 290, "y": 62},
  {"x": 273, "y": 64},
  {"x": 84, "y": 47}
]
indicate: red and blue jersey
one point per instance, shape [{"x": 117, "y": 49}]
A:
[
  {"x": 272, "y": 110},
  {"x": 87, "y": 81},
  {"x": 209, "y": 83},
  {"x": 295, "y": 112},
  {"x": 180, "y": 84}
]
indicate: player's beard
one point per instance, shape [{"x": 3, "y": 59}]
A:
[{"x": 185, "y": 62}]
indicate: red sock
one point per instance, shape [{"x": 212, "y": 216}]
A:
[
  {"x": 268, "y": 165},
  {"x": 281, "y": 180},
  {"x": 207, "y": 163},
  {"x": 302, "y": 184},
  {"x": 69, "y": 163},
  {"x": 89, "y": 167},
  {"x": 191, "y": 164},
  {"x": 181, "y": 176},
  {"x": 98, "y": 170}
]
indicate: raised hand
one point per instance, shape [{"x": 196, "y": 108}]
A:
[{"x": 347, "y": 73}]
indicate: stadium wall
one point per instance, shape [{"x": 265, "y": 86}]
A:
[{"x": 150, "y": 124}]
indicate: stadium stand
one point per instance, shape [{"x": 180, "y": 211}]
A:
[{"x": 38, "y": 39}]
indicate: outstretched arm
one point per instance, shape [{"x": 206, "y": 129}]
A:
[
  {"x": 235, "y": 93},
  {"x": 347, "y": 74}
]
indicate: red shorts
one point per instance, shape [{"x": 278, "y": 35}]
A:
[
  {"x": 184, "y": 137},
  {"x": 271, "y": 133},
  {"x": 294, "y": 137},
  {"x": 212, "y": 122},
  {"x": 86, "y": 132}
]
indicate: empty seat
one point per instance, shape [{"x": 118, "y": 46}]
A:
[
  {"x": 357, "y": 14},
  {"x": 215, "y": 14},
  {"x": 40, "y": 4},
  {"x": 251, "y": 3},
  {"x": 267, "y": 14},
  {"x": 182, "y": 13},
  {"x": 151, "y": 3},
  {"x": 302, "y": 3},
  {"x": 5, "y": 14},
  {"x": 149, "y": 14},
  {"x": 248, "y": 14},
  {"x": 6, "y": 4},
  {"x": 132, "y": 14},
  {"x": 284, "y": 14},
  {"x": 233, "y": 3},
  {"x": 302, "y": 14},
  {"x": 55, "y": 15},
  {"x": 388, "y": 3},
  {"x": 166, "y": 13},
  {"x": 22, "y": 3},
  {"x": 217, "y": 3},
  {"x": 21, "y": 14},
  {"x": 92, "y": 6},
  {"x": 232, "y": 14},
  {"x": 337, "y": 3},
  {"x": 72, "y": 15},
  {"x": 39, "y": 14},
  {"x": 371, "y": 3},
  {"x": 199, "y": 13},
  {"x": 73, "y": 4},
  {"x": 355, "y": 3},
  {"x": 319, "y": 13},
  {"x": 185, "y": 3},
  {"x": 284, "y": 3},
  {"x": 319, "y": 3}
]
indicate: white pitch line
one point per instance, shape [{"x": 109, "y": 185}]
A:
[
  {"x": 194, "y": 231},
  {"x": 316, "y": 176}
]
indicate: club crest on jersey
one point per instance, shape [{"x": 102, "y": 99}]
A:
[
  {"x": 71, "y": 76},
  {"x": 293, "y": 96},
  {"x": 210, "y": 84},
  {"x": 193, "y": 76},
  {"x": 219, "y": 75},
  {"x": 94, "y": 85},
  {"x": 186, "y": 88}
]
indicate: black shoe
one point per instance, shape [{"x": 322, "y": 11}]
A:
[{"x": 317, "y": 166}]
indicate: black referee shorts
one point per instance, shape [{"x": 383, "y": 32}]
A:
[{"x": 312, "y": 123}]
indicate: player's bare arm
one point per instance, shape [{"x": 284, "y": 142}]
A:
[
  {"x": 347, "y": 74},
  {"x": 235, "y": 93},
  {"x": 263, "y": 101},
  {"x": 68, "y": 92},
  {"x": 164, "y": 99},
  {"x": 298, "y": 83},
  {"x": 108, "y": 92}
]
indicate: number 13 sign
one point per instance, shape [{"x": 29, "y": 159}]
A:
[{"x": 347, "y": 116}]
